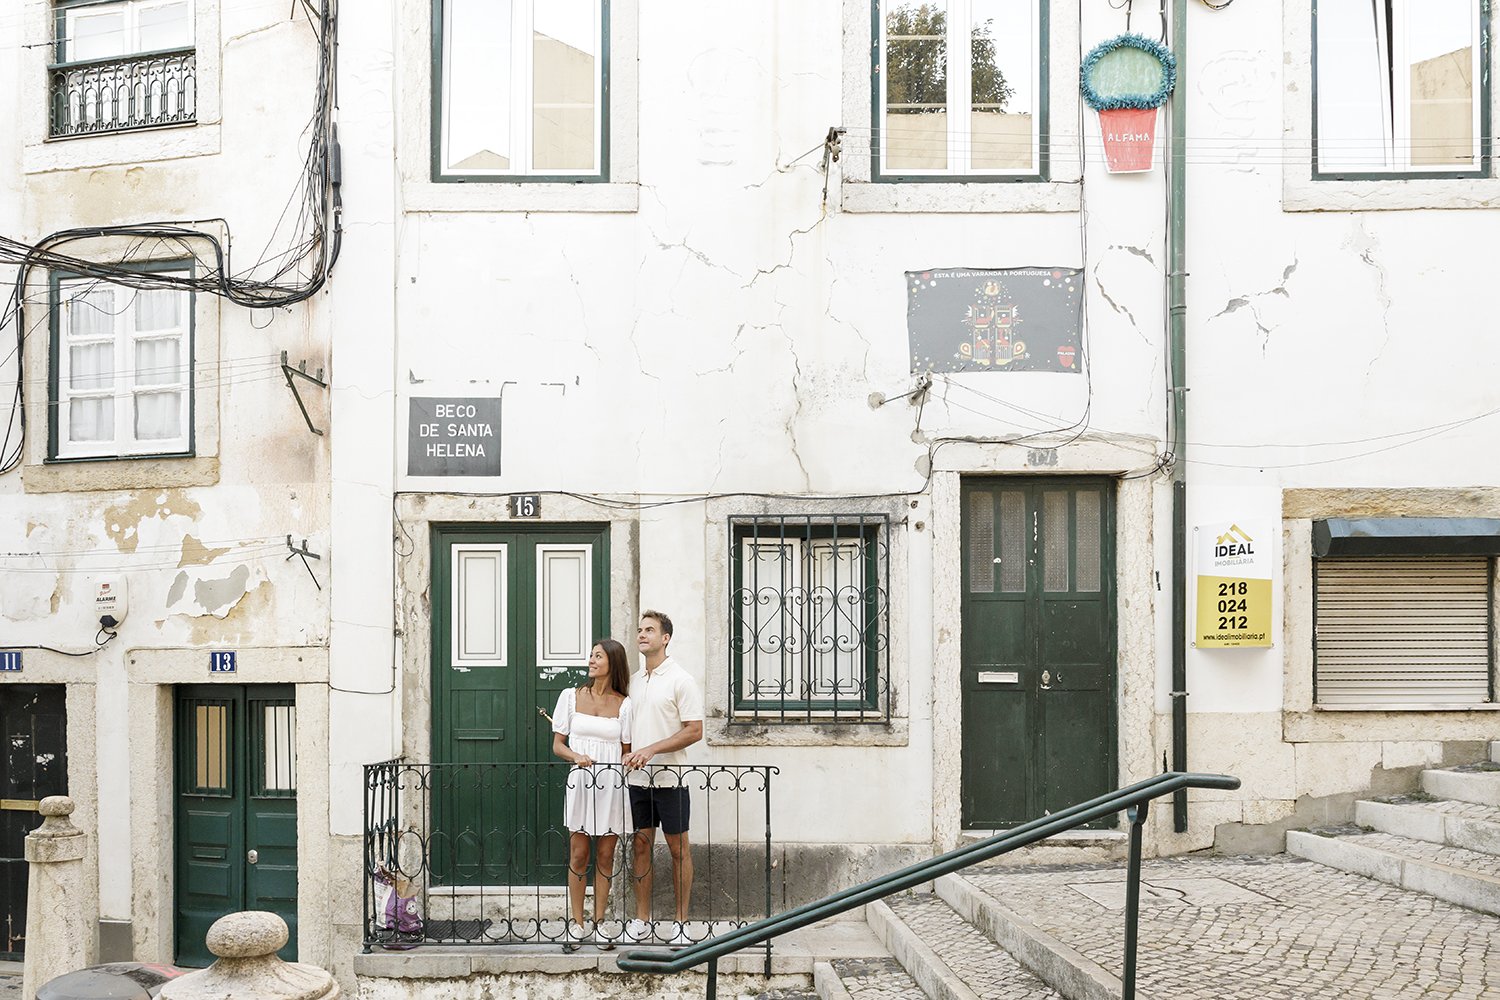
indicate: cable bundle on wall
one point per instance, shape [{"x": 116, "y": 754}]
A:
[{"x": 281, "y": 279}]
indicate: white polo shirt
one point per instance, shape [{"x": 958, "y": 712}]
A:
[{"x": 661, "y": 701}]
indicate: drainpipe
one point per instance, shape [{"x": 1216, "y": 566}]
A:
[{"x": 1176, "y": 328}]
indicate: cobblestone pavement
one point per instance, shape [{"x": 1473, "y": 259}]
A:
[
  {"x": 982, "y": 965},
  {"x": 10, "y": 987},
  {"x": 1448, "y": 807},
  {"x": 876, "y": 979},
  {"x": 1264, "y": 929}
]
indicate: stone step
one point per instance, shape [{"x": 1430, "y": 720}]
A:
[
  {"x": 1451, "y": 822},
  {"x": 1495, "y": 751},
  {"x": 1468, "y": 878},
  {"x": 949, "y": 957},
  {"x": 863, "y": 979},
  {"x": 1467, "y": 782}
]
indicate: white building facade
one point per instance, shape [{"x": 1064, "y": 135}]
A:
[{"x": 675, "y": 323}]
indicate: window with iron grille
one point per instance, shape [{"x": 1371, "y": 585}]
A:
[
  {"x": 809, "y": 618},
  {"x": 120, "y": 65}
]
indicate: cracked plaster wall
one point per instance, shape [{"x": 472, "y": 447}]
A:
[{"x": 202, "y": 565}]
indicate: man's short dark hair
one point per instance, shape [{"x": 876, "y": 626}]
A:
[{"x": 662, "y": 621}]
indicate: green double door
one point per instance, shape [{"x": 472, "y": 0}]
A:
[
  {"x": 1038, "y": 644},
  {"x": 236, "y": 809},
  {"x": 514, "y": 615}
]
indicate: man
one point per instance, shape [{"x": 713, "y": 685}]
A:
[{"x": 666, "y": 719}]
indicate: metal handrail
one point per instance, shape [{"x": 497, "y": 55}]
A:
[{"x": 1133, "y": 799}]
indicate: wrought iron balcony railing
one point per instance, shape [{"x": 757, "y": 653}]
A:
[
  {"x": 483, "y": 850},
  {"x": 119, "y": 94}
]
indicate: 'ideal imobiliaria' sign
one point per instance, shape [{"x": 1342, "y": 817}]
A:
[
  {"x": 1234, "y": 584},
  {"x": 1023, "y": 319},
  {"x": 453, "y": 436}
]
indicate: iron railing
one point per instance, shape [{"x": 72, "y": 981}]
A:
[
  {"x": 483, "y": 850},
  {"x": 121, "y": 93},
  {"x": 809, "y": 618},
  {"x": 1134, "y": 800}
]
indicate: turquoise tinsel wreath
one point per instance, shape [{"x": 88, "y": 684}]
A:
[{"x": 1152, "y": 100}]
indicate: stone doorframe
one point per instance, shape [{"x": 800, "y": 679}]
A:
[
  {"x": 418, "y": 512},
  {"x": 153, "y": 675},
  {"x": 1135, "y": 563},
  {"x": 77, "y": 675}
]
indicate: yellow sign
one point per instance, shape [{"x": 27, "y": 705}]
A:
[{"x": 1234, "y": 585}]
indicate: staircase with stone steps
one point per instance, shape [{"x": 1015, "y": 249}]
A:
[{"x": 1443, "y": 841}]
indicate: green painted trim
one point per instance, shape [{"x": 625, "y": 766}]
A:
[
  {"x": 435, "y": 140},
  {"x": 1043, "y": 172},
  {"x": 54, "y": 345},
  {"x": 1486, "y": 140}
]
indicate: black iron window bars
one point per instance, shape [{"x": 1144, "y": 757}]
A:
[
  {"x": 809, "y": 618},
  {"x": 121, "y": 93}
]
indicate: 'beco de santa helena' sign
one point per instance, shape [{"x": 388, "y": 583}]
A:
[{"x": 453, "y": 436}]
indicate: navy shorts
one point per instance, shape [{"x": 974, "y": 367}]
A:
[{"x": 664, "y": 807}]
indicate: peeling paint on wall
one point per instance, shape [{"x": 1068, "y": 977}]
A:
[
  {"x": 122, "y": 522},
  {"x": 195, "y": 553}
]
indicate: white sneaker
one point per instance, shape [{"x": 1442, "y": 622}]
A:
[
  {"x": 573, "y": 937},
  {"x": 680, "y": 939},
  {"x": 599, "y": 939},
  {"x": 637, "y": 932}
]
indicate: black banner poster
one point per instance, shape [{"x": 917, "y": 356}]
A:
[{"x": 1023, "y": 319}]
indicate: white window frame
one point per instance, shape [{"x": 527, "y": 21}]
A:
[
  {"x": 521, "y": 108},
  {"x": 1396, "y": 101},
  {"x": 546, "y": 556},
  {"x": 502, "y": 606},
  {"x": 132, "y": 10},
  {"x": 960, "y": 99},
  {"x": 798, "y": 556},
  {"x": 124, "y": 389}
]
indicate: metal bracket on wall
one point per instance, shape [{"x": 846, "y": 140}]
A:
[
  {"x": 305, "y": 556},
  {"x": 300, "y": 371}
]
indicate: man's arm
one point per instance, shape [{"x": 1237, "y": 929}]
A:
[{"x": 690, "y": 733}]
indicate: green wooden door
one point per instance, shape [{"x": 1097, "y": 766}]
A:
[
  {"x": 515, "y": 612},
  {"x": 236, "y": 810},
  {"x": 1038, "y": 647}
]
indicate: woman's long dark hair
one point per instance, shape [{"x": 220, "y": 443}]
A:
[{"x": 619, "y": 670}]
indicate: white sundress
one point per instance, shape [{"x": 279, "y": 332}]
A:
[{"x": 596, "y": 799}]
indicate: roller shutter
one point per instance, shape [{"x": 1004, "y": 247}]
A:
[{"x": 1403, "y": 630}]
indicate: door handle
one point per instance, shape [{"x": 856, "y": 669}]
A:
[
  {"x": 252, "y": 856},
  {"x": 1046, "y": 680}
]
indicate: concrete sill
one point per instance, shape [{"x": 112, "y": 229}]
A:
[
  {"x": 1488, "y": 707},
  {"x": 718, "y": 732}
]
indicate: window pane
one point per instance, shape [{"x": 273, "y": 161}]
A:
[
  {"x": 1055, "y": 541},
  {"x": 91, "y": 419},
  {"x": 91, "y": 366},
  {"x": 767, "y": 604},
  {"x": 211, "y": 725},
  {"x": 565, "y": 50},
  {"x": 1090, "y": 543},
  {"x": 95, "y": 34},
  {"x": 1440, "y": 63},
  {"x": 1353, "y": 86},
  {"x": 158, "y": 416},
  {"x": 1003, "y": 56},
  {"x": 160, "y": 309},
  {"x": 915, "y": 67},
  {"x": 836, "y": 617},
  {"x": 158, "y": 361},
  {"x": 982, "y": 543},
  {"x": 166, "y": 26},
  {"x": 1013, "y": 546},
  {"x": 91, "y": 311},
  {"x": 278, "y": 738},
  {"x": 477, "y": 86}
]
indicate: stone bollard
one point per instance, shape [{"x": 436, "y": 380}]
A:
[
  {"x": 247, "y": 967},
  {"x": 56, "y": 939}
]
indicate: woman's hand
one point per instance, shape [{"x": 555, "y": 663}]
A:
[{"x": 583, "y": 760}]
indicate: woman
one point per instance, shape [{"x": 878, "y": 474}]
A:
[{"x": 591, "y": 729}]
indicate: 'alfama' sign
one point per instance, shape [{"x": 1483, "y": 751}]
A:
[{"x": 453, "y": 436}]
